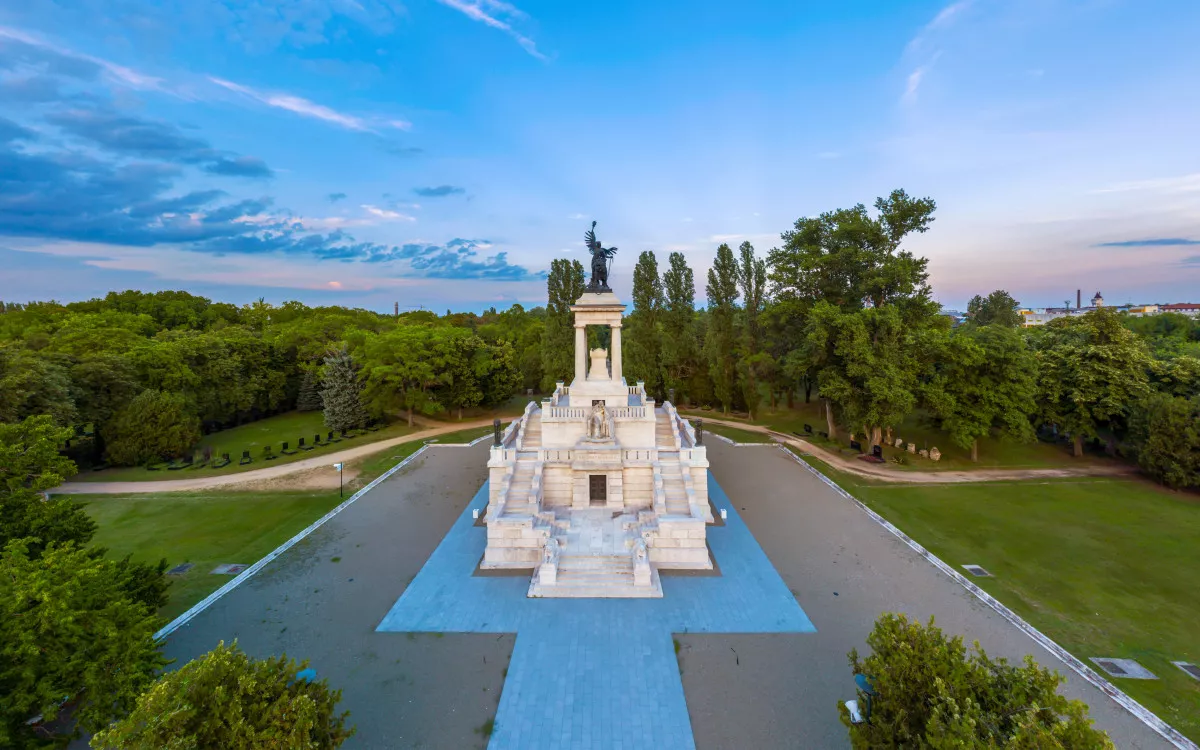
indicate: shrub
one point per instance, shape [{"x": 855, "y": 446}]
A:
[{"x": 931, "y": 693}]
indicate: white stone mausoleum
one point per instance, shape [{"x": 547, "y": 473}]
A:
[{"x": 598, "y": 488}]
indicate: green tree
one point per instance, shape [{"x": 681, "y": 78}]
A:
[
  {"x": 643, "y": 328},
  {"x": 228, "y": 700},
  {"x": 69, "y": 631},
  {"x": 998, "y": 308},
  {"x": 341, "y": 393},
  {"x": 33, "y": 384},
  {"x": 404, "y": 368},
  {"x": 1091, "y": 371},
  {"x": 680, "y": 344},
  {"x": 867, "y": 362},
  {"x": 309, "y": 398},
  {"x": 931, "y": 693},
  {"x": 753, "y": 363},
  {"x": 986, "y": 380},
  {"x": 1165, "y": 432},
  {"x": 564, "y": 286},
  {"x": 101, "y": 385},
  {"x": 849, "y": 259},
  {"x": 721, "y": 340},
  {"x": 155, "y": 425}
]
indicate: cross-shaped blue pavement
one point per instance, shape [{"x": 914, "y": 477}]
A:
[{"x": 596, "y": 673}]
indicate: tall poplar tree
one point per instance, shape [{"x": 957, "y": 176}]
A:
[
  {"x": 721, "y": 337},
  {"x": 754, "y": 364},
  {"x": 564, "y": 286},
  {"x": 679, "y": 343},
  {"x": 642, "y": 339}
]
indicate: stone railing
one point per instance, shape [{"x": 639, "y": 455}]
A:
[
  {"x": 660, "y": 495},
  {"x": 555, "y": 455},
  {"x": 630, "y": 412},
  {"x": 565, "y": 413},
  {"x": 561, "y": 391}
]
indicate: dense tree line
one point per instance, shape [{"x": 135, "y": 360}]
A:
[
  {"x": 139, "y": 377},
  {"x": 841, "y": 311}
]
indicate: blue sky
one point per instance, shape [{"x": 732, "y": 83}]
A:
[{"x": 440, "y": 153}]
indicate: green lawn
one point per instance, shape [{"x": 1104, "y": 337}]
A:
[
  {"x": 204, "y": 528},
  {"x": 254, "y": 437},
  {"x": 993, "y": 453},
  {"x": 734, "y": 434},
  {"x": 1105, "y": 567},
  {"x": 210, "y": 528}
]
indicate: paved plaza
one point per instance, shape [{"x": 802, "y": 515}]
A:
[{"x": 427, "y": 651}]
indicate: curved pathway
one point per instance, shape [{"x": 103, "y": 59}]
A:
[
  {"x": 270, "y": 472},
  {"x": 884, "y": 473}
]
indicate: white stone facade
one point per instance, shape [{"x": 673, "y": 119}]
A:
[{"x": 597, "y": 487}]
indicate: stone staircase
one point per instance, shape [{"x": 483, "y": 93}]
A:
[
  {"x": 673, "y": 489},
  {"x": 531, "y": 438},
  {"x": 591, "y": 576},
  {"x": 519, "y": 502},
  {"x": 663, "y": 430}
]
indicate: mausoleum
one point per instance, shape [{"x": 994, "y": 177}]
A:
[{"x": 598, "y": 488}]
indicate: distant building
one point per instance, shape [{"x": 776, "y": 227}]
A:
[
  {"x": 1187, "y": 308},
  {"x": 1097, "y": 301}
]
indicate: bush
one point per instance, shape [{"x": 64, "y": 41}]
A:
[
  {"x": 930, "y": 693},
  {"x": 156, "y": 425},
  {"x": 68, "y": 631},
  {"x": 1165, "y": 431},
  {"x": 226, "y": 699}
]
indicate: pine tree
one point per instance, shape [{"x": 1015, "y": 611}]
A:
[
  {"x": 752, "y": 361},
  {"x": 309, "y": 398},
  {"x": 341, "y": 393}
]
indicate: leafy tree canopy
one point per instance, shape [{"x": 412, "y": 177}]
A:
[{"x": 228, "y": 700}]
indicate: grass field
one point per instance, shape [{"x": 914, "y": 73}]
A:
[
  {"x": 254, "y": 437},
  {"x": 210, "y": 528},
  {"x": 1105, "y": 567},
  {"x": 734, "y": 434},
  {"x": 993, "y": 453}
]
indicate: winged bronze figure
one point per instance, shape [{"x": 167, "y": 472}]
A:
[{"x": 601, "y": 261}]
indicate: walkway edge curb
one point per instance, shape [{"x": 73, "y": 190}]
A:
[
  {"x": 245, "y": 575},
  {"x": 1148, "y": 717}
]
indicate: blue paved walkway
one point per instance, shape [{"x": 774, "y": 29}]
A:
[{"x": 596, "y": 673}]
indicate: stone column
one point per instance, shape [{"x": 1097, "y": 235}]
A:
[
  {"x": 580, "y": 352},
  {"x": 616, "y": 352}
]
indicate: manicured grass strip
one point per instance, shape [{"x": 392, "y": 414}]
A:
[
  {"x": 917, "y": 428},
  {"x": 253, "y": 437},
  {"x": 736, "y": 435},
  {"x": 203, "y": 528},
  {"x": 1105, "y": 567}
]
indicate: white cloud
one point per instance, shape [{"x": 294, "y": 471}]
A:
[
  {"x": 384, "y": 213},
  {"x": 944, "y": 19},
  {"x": 576, "y": 217},
  {"x": 915, "y": 78},
  {"x": 1188, "y": 183},
  {"x": 117, "y": 73},
  {"x": 296, "y": 105},
  {"x": 486, "y": 12}
]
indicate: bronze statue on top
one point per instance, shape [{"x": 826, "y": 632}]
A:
[{"x": 601, "y": 259}]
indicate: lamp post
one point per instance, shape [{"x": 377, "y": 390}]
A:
[{"x": 338, "y": 466}]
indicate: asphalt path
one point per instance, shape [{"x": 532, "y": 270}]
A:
[
  {"x": 323, "y": 599},
  {"x": 845, "y": 570}
]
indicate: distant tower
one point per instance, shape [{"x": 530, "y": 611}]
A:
[
  {"x": 1078, "y": 298},
  {"x": 397, "y": 309},
  {"x": 1097, "y": 301}
]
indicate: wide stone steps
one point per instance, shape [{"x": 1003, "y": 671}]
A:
[{"x": 609, "y": 576}]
